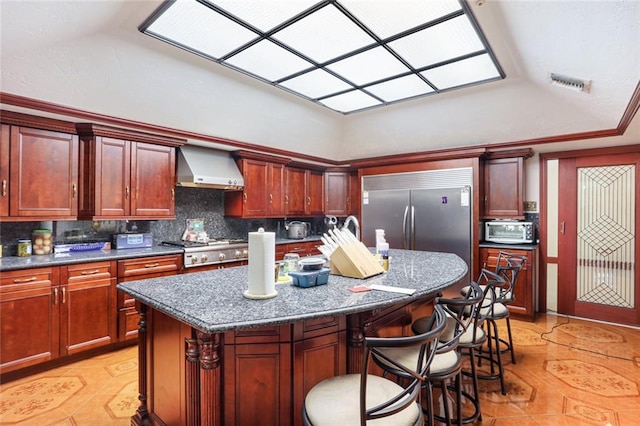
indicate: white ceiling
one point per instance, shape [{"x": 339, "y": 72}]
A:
[{"x": 90, "y": 56}]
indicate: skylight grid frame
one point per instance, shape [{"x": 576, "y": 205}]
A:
[{"x": 281, "y": 81}]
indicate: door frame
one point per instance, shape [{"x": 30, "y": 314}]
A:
[{"x": 546, "y": 260}]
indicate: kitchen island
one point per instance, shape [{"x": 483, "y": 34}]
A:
[{"x": 210, "y": 356}]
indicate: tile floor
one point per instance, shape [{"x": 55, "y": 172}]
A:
[{"x": 567, "y": 372}]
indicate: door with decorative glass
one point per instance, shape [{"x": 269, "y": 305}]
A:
[{"x": 598, "y": 245}]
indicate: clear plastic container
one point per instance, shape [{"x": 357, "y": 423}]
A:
[
  {"x": 42, "y": 242},
  {"x": 291, "y": 262}
]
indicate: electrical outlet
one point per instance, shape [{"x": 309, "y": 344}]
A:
[{"x": 530, "y": 206}]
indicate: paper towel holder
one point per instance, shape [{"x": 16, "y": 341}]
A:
[{"x": 260, "y": 295}]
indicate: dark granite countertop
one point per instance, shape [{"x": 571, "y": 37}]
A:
[
  {"x": 488, "y": 244},
  {"x": 213, "y": 301},
  {"x": 59, "y": 259}
]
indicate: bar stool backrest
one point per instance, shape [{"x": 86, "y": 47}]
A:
[
  {"x": 509, "y": 266},
  {"x": 428, "y": 342}
]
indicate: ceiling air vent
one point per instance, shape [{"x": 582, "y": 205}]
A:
[{"x": 573, "y": 83}]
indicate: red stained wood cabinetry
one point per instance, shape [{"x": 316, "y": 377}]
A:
[
  {"x": 304, "y": 189},
  {"x": 336, "y": 185},
  {"x": 524, "y": 306},
  {"x": 48, "y": 313},
  {"x": 38, "y": 169},
  {"x": 263, "y": 194},
  {"x": 504, "y": 184},
  {"x": 126, "y": 174},
  {"x": 302, "y": 248},
  {"x": 139, "y": 269}
]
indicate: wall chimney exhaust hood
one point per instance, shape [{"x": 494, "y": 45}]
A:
[{"x": 200, "y": 167}]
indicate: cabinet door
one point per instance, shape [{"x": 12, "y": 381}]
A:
[
  {"x": 314, "y": 193},
  {"x": 4, "y": 170},
  {"x": 44, "y": 173},
  {"x": 336, "y": 193},
  {"x": 152, "y": 180},
  {"x": 112, "y": 177},
  {"x": 29, "y": 319},
  {"x": 504, "y": 188},
  {"x": 257, "y": 384},
  {"x": 296, "y": 191},
  {"x": 256, "y": 184},
  {"x": 354, "y": 194},
  {"x": 276, "y": 185},
  {"x": 523, "y": 307},
  {"x": 88, "y": 307},
  {"x": 313, "y": 361}
]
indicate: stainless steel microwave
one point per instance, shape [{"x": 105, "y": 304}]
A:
[{"x": 509, "y": 232}]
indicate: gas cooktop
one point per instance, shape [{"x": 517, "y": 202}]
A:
[{"x": 212, "y": 242}]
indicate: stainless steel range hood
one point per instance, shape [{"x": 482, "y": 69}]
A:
[{"x": 200, "y": 167}]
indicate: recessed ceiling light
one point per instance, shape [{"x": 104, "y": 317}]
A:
[{"x": 347, "y": 55}]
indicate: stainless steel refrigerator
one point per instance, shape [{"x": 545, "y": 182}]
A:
[{"x": 428, "y": 211}]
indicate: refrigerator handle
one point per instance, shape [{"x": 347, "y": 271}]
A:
[
  {"x": 413, "y": 228},
  {"x": 404, "y": 228}
]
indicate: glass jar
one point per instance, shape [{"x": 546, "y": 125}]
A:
[
  {"x": 291, "y": 262},
  {"x": 42, "y": 241},
  {"x": 24, "y": 248}
]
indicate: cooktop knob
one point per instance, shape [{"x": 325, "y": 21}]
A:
[
  {"x": 221, "y": 256},
  {"x": 194, "y": 259},
  {"x": 204, "y": 258},
  {"x": 245, "y": 253},
  {"x": 238, "y": 253}
]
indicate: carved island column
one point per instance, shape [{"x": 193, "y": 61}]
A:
[
  {"x": 210, "y": 387},
  {"x": 141, "y": 417}
]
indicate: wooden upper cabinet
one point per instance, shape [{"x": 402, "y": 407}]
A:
[
  {"x": 336, "y": 186},
  {"x": 126, "y": 174},
  {"x": 263, "y": 192},
  {"x": 43, "y": 174},
  {"x": 5, "y": 141},
  {"x": 296, "y": 184},
  {"x": 504, "y": 185},
  {"x": 314, "y": 193},
  {"x": 354, "y": 194},
  {"x": 275, "y": 187}
]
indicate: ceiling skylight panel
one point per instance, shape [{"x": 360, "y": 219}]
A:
[
  {"x": 371, "y": 65},
  {"x": 198, "y": 28},
  {"x": 450, "y": 39},
  {"x": 323, "y": 35},
  {"x": 350, "y": 101},
  {"x": 269, "y": 61},
  {"x": 400, "y": 88},
  {"x": 468, "y": 71},
  {"x": 316, "y": 84},
  {"x": 263, "y": 14},
  {"x": 387, "y": 18}
]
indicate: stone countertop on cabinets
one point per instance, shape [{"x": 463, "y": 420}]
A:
[
  {"x": 60, "y": 259},
  {"x": 213, "y": 301}
]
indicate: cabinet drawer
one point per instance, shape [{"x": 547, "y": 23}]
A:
[
  {"x": 31, "y": 278},
  {"x": 148, "y": 267},
  {"x": 319, "y": 327},
  {"x": 88, "y": 272}
]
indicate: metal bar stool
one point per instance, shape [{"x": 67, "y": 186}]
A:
[
  {"x": 356, "y": 398},
  {"x": 447, "y": 363}
]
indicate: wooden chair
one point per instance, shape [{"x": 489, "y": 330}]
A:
[{"x": 354, "y": 399}]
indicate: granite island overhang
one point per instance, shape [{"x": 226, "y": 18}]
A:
[{"x": 208, "y": 355}]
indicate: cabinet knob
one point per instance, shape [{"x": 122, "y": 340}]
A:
[
  {"x": 270, "y": 198},
  {"x": 244, "y": 197},
  {"x": 55, "y": 296},
  {"x": 4, "y": 187},
  {"x": 64, "y": 295},
  {"x": 151, "y": 265},
  {"x": 126, "y": 192},
  {"x": 93, "y": 272},
  {"x": 309, "y": 200},
  {"x": 75, "y": 190},
  {"x": 173, "y": 194}
]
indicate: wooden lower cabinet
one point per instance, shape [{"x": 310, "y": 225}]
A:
[
  {"x": 302, "y": 248},
  {"x": 139, "y": 269},
  {"x": 254, "y": 375},
  {"x": 29, "y": 318},
  {"x": 49, "y": 313},
  {"x": 526, "y": 289},
  {"x": 87, "y": 303}
]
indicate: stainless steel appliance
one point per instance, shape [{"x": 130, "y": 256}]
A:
[
  {"x": 509, "y": 232},
  {"x": 214, "y": 252},
  {"x": 297, "y": 230},
  {"x": 428, "y": 211}
]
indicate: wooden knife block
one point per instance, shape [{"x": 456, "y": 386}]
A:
[{"x": 354, "y": 260}]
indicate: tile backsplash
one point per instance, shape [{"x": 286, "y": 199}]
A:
[{"x": 191, "y": 203}]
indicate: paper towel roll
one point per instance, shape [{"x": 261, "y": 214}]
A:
[{"x": 262, "y": 258}]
